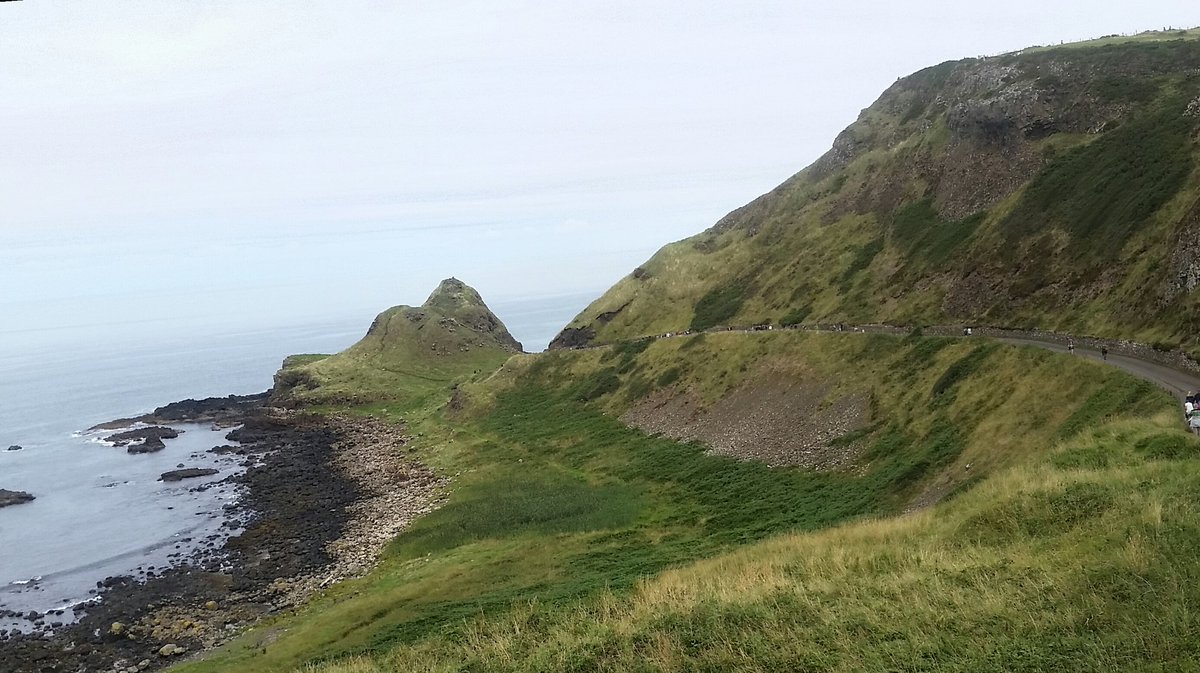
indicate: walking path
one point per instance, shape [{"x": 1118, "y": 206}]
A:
[
  {"x": 1176, "y": 382},
  {"x": 1137, "y": 359}
]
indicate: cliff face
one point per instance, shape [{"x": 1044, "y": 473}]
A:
[
  {"x": 1048, "y": 188},
  {"x": 452, "y": 334}
]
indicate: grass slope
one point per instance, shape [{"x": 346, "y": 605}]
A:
[
  {"x": 563, "y": 522},
  {"x": 1049, "y": 188},
  {"x": 1064, "y": 567}
]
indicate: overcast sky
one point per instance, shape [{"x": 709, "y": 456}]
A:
[{"x": 245, "y": 162}]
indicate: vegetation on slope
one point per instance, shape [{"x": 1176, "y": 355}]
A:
[
  {"x": 561, "y": 514},
  {"x": 1053, "y": 188},
  {"x": 1049, "y": 188},
  {"x": 1082, "y": 560},
  {"x": 408, "y": 354}
]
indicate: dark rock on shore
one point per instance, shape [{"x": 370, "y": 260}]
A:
[
  {"x": 144, "y": 440},
  {"x": 294, "y": 505},
  {"x": 222, "y": 411},
  {"x": 186, "y": 473},
  {"x": 154, "y": 432},
  {"x": 15, "y": 447},
  {"x": 13, "y": 497},
  {"x": 151, "y": 445}
]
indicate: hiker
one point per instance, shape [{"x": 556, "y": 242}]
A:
[
  {"x": 1104, "y": 352},
  {"x": 1071, "y": 347},
  {"x": 1192, "y": 413}
]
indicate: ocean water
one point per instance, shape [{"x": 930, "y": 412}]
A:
[{"x": 101, "y": 511}]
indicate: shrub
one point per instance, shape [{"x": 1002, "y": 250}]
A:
[
  {"x": 597, "y": 385},
  {"x": 668, "y": 377},
  {"x": 795, "y": 316},
  {"x": 1166, "y": 446},
  {"x": 961, "y": 369},
  {"x": 718, "y": 305},
  {"x": 1101, "y": 192}
]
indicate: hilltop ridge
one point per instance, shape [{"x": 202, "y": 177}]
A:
[{"x": 405, "y": 350}]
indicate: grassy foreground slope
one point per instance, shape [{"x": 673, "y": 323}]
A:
[
  {"x": 1082, "y": 561},
  {"x": 406, "y": 355},
  {"x": 1051, "y": 188},
  {"x": 572, "y": 542}
]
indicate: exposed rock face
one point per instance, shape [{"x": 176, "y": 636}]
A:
[
  {"x": 776, "y": 420},
  {"x": 573, "y": 337},
  {"x": 186, "y": 473},
  {"x": 1185, "y": 259},
  {"x": 13, "y": 497}
]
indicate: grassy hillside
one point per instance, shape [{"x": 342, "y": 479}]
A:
[
  {"x": 1051, "y": 188},
  {"x": 406, "y": 355},
  {"x": 572, "y": 542},
  {"x": 1081, "y": 561}
]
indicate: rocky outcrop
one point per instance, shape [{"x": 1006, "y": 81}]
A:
[
  {"x": 13, "y": 497},
  {"x": 151, "y": 445},
  {"x": 14, "y": 447},
  {"x": 142, "y": 436},
  {"x": 221, "y": 411},
  {"x": 186, "y": 473},
  {"x": 573, "y": 337}
]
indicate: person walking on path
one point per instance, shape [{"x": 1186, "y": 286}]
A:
[
  {"x": 1071, "y": 347},
  {"x": 1192, "y": 413},
  {"x": 1104, "y": 353}
]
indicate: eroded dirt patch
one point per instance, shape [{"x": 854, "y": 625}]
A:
[{"x": 779, "y": 420}]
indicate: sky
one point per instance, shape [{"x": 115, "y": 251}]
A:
[{"x": 235, "y": 164}]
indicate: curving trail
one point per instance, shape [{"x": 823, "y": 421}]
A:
[{"x": 1176, "y": 381}]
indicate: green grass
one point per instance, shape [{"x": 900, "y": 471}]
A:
[
  {"x": 927, "y": 239},
  {"x": 1102, "y": 192},
  {"x": 1066, "y": 217},
  {"x": 558, "y": 507},
  {"x": 1042, "y": 567},
  {"x": 795, "y": 316},
  {"x": 718, "y": 305}
]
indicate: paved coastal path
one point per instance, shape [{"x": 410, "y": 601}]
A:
[
  {"x": 1172, "y": 371},
  {"x": 1179, "y": 383}
]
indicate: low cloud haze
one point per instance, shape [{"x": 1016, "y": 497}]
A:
[{"x": 233, "y": 164}]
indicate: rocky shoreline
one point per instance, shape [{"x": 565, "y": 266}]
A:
[
  {"x": 322, "y": 496},
  {"x": 13, "y": 497}
]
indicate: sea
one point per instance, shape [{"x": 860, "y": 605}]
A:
[{"x": 101, "y": 512}]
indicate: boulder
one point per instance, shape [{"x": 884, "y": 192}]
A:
[
  {"x": 151, "y": 445},
  {"x": 188, "y": 473},
  {"x": 15, "y": 447},
  {"x": 128, "y": 437},
  {"x": 13, "y": 497},
  {"x": 171, "y": 650}
]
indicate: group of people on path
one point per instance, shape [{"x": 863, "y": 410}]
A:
[
  {"x": 1191, "y": 411},
  {"x": 1103, "y": 350}
]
